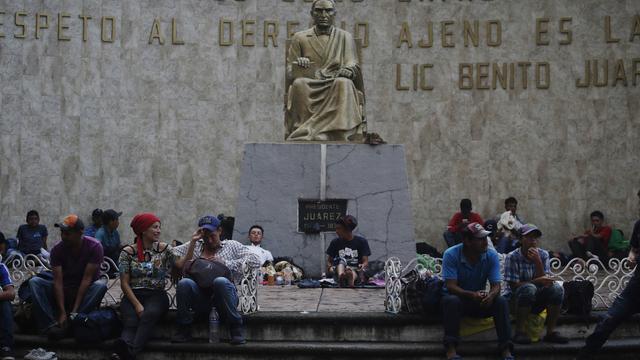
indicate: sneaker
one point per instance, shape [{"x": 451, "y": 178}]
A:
[
  {"x": 555, "y": 338},
  {"x": 40, "y": 354},
  {"x": 122, "y": 350},
  {"x": 6, "y": 353},
  {"x": 522, "y": 338},
  {"x": 182, "y": 334},
  {"x": 55, "y": 333},
  {"x": 591, "y": 255},
  {"x": 237, "y": 337}
]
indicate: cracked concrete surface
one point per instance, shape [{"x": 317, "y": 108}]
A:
[{"x": 373, "y": 179}]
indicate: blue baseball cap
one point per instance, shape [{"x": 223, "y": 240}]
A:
[
  {"x": 209, "y": 222},
  {"x": 529, "y": 228}
]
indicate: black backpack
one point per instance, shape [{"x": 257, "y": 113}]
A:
[{"x": 578, "y": 295}]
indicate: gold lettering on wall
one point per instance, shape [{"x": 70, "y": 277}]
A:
[
  {"x": 491, "y": 24},
  {"x": 543, "y": 68},
  {"x": 39, "y": 25},
  {"x": 465, "y": 79},
  {"x": 636, "y": 71},
  {"x": 596, "y": 73},
  {"x": 156, "y": 33},
  {"x": 221, "y": 32},
  {"x": 85, "y": 27},
  {"x": 271, "y": 29},
  {"x": 607, "y": 31},
  {"x": 471, "y": 33},
  {"x": 104, "y": 35},
  {"x": 248, "y": 31},
  {"x": 175, "y": 40},
  {"x": 399, "y": 85},
  {"x": 564, "y": 23},
  {"x": 621, "y": 75},
  {"x": 635, "y": 28},
  {"x": 423, "y": 77},
  {"x": 429, "y": 41},
  {"x": 482, "y": 74},
  {"x": 405, "y": 36},
  {"x": 1, "y": 23},
  {"x": 291, "y": 28},
  {"x": 499, "y": 75},
  {"x": 62, "y": 27},
  {"x": 542, "y": 29},
  {"x": 358, "y": 35},
  {"x": 446, "y": 34},
  {"x": 587, "y": 76}
]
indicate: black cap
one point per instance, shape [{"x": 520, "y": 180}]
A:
[
  {"x": 348, "y": 221},
  {"x": 96, "y": 213},
  {"x": 109, "y": 215}
]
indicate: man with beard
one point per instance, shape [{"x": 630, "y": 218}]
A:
[
  {"x": 466, "y": 267},
  {"x": 210, "y": 268}
]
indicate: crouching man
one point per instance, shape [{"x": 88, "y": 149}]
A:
[
  {"x": 466, "y": 267},
  {"x": 210, "y": 269}
]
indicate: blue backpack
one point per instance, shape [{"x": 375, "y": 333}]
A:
[{"x": 96, "y": 326}]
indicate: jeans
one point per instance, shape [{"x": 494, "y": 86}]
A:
[
  {"x": 454, "y": 307},
  {"x": 625, "y": 305},
  {"x": 136, "y": 331},
  {"x": 6, "y": 324},
  {"x": 539, "y": 297},
  {"x": 591, "y": 244},
  {"x": 44, "y": 300},
  {"x": 192, "y": 300}
]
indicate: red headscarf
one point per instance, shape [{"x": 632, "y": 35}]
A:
[{"x": 140, "y": 224}]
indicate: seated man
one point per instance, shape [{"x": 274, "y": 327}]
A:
[
  {"x": 7, "y": 295},
  {"x": 197, "y": 299},
  {"x": 96, "y": 223},
  {"x": 323, "y": 99},
  {"x": 509, "y": 222},
  {"x": 76, "y": 287},
  {"x": 459, "y": 221},
  {"x": 594, "y": 243},
  {"x": 108, "y": 234},
  {"x": 348, "y": 254},
  {"x": 624, "y": 306},
  {"x": 466, "y": 267},
  {"x": 532, "y": 288},
  {"x": 32, "y": 236},
  {"x": 4, "y": 247},
  {"x": 256, "y": 234}
]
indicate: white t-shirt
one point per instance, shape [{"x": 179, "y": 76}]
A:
[{"x": 262, "y": 254}]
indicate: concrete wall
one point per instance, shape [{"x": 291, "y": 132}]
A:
[{"x": 150, "y": 127}]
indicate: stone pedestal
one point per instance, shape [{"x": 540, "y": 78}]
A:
[{"x": 372, "y": 178}]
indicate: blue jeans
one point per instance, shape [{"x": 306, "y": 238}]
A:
[
  {"x": 625, "y": 305},
  {"x": 136, "y": 330},
  {"x": 44, "y": 300},
  {"x": 6, "y": 324},
  {"x": 539, "y": 297},
  {"x": 454, "y": 307},
  {"x": 192, "y": 300}
]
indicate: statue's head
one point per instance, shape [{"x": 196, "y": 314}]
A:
[{"x": 323, "y": 12}]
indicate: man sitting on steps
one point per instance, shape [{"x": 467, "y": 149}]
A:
[
  {"x": 348, "y": 254},
  {"x": 527, "y": 271},
  {"x": 466, "y": 267}
]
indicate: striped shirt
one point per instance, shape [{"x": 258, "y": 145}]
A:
[
  {"x": 517, "y": 268},
  {"x": 232, "y": 252}
]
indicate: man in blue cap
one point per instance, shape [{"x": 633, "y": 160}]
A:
[{"x": 209, "y": 271}]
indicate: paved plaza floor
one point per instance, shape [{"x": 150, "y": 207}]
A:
[{"x": 292, "y": 298}]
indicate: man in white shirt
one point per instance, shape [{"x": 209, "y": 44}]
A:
[{"x": 256, "y": 232}]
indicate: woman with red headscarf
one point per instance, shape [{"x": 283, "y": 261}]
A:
[{"x": 144, "y": 267}]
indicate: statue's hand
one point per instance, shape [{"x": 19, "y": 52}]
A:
[
  {"x": 345, "y": 73},
  {"x": 303, "y": 62}
]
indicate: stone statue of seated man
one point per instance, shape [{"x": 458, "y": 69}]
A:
[{"x": 326, "y": 95}]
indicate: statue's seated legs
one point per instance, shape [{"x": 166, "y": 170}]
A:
[{"x": 324, "y": 110}]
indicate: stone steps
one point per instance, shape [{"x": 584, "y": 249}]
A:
[
  {"x": 294, "y": 335},
  {"x": 621, "y": 349}
]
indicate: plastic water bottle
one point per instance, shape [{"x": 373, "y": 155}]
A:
[
  {"x": 214, "y": 326},
  {"x": 288, "y": 274}
]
